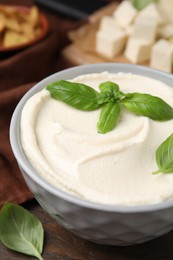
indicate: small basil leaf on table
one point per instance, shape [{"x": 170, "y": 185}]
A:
[
  {"x": 21, "y": 231},
  {"x": 109, "y": 116},
  {"x": 164, "y": 156},
  {"x": 149, "y": 106},
  {"x": 77, "y": 95},
  {"x": 140, "y": 4}
]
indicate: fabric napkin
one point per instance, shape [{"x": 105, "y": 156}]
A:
[
  {"x": 12, "y": 186},
  {"x": 17, "y": 73}
]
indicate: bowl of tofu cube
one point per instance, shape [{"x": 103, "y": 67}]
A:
[{"x": 141, "y": 31}]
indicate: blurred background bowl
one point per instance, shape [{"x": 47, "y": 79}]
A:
[{"x": 44, "y": 27}]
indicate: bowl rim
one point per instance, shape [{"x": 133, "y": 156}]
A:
[{"x": 31, "y": 172}]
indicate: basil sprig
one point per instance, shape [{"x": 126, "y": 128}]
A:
[
  {"x": 110, "y": 99},
  {"x": 164, "y": 156},
  {"x": 140, "y": 4},
  {"x": 21, "y": 231}
]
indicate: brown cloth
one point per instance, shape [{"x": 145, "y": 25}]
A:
[
  {"x": 17, "y": 73},
  {"x": 12, "y": 186}
]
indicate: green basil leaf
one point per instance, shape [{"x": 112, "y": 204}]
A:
[
  {"x": 140, "y": 4},
  {"x": 164, "y": 156},
  {"x": 77, "y": 95},
  {"x": 109, "y": 92},
  {"x": 20, "y": 230},
  {"x": 149, "y": 106},
  {"x": 105, "y": 97},
  {"x": 109, "y": 86},
  {"x": 108, "y": 117}
]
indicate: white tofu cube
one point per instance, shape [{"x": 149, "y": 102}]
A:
[
  {"x": 125, "y": 13},
  {"x": 166, "y": 31},
  {"x": 167, "y": 8},
  {"x": 110, "y": 43},
  {"x": 162, "y": 12},
  {"x": 145, "y": 28},
  {"x": 138, "y": 51},
  {"x": 162, "y": 56},
  {"x": 171, "y": 40},
  {"x": 108, "y": 23},
  {"x": 129, "y": 30},
  {"x": 151, "y": 10}
]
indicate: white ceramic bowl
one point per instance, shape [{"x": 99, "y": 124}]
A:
[{"x": 104, "y": 224}]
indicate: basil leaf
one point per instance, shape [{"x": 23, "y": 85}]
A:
[
  {"x": 20, "y": 230},
  {"x": 109, "y": 86},
  {"x": 149, "y": 106},
  {"x": 77, "y": 95},
  {"x": 140, "y": 4},
  {"x": 164, "y": 156},
  {"x": 109, "y": 92},
  {"x": 108, "y": 117}
]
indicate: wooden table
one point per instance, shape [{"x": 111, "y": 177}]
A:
[{"x": 62, "y": 244}]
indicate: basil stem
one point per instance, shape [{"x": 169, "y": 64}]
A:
[
  {"x": 149, "y": 106},
  {"x": 77, "y": 95},
  {"x": 21, "y": 231},
  {"x": 164, "y": 156},
  {"x": 108, "y": 117}
]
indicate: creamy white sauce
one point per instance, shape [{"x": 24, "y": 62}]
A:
[{"x": 63, "y": 145}]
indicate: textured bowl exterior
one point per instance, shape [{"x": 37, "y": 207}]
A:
[
  {"x": 104, "y": 224},
  {"x": 109, "y": 228}
]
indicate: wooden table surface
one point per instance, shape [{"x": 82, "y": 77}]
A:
[{"x": 62, "y": 244}]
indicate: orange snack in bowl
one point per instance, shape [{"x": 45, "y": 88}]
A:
[{"x": 18, "y": 25}]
